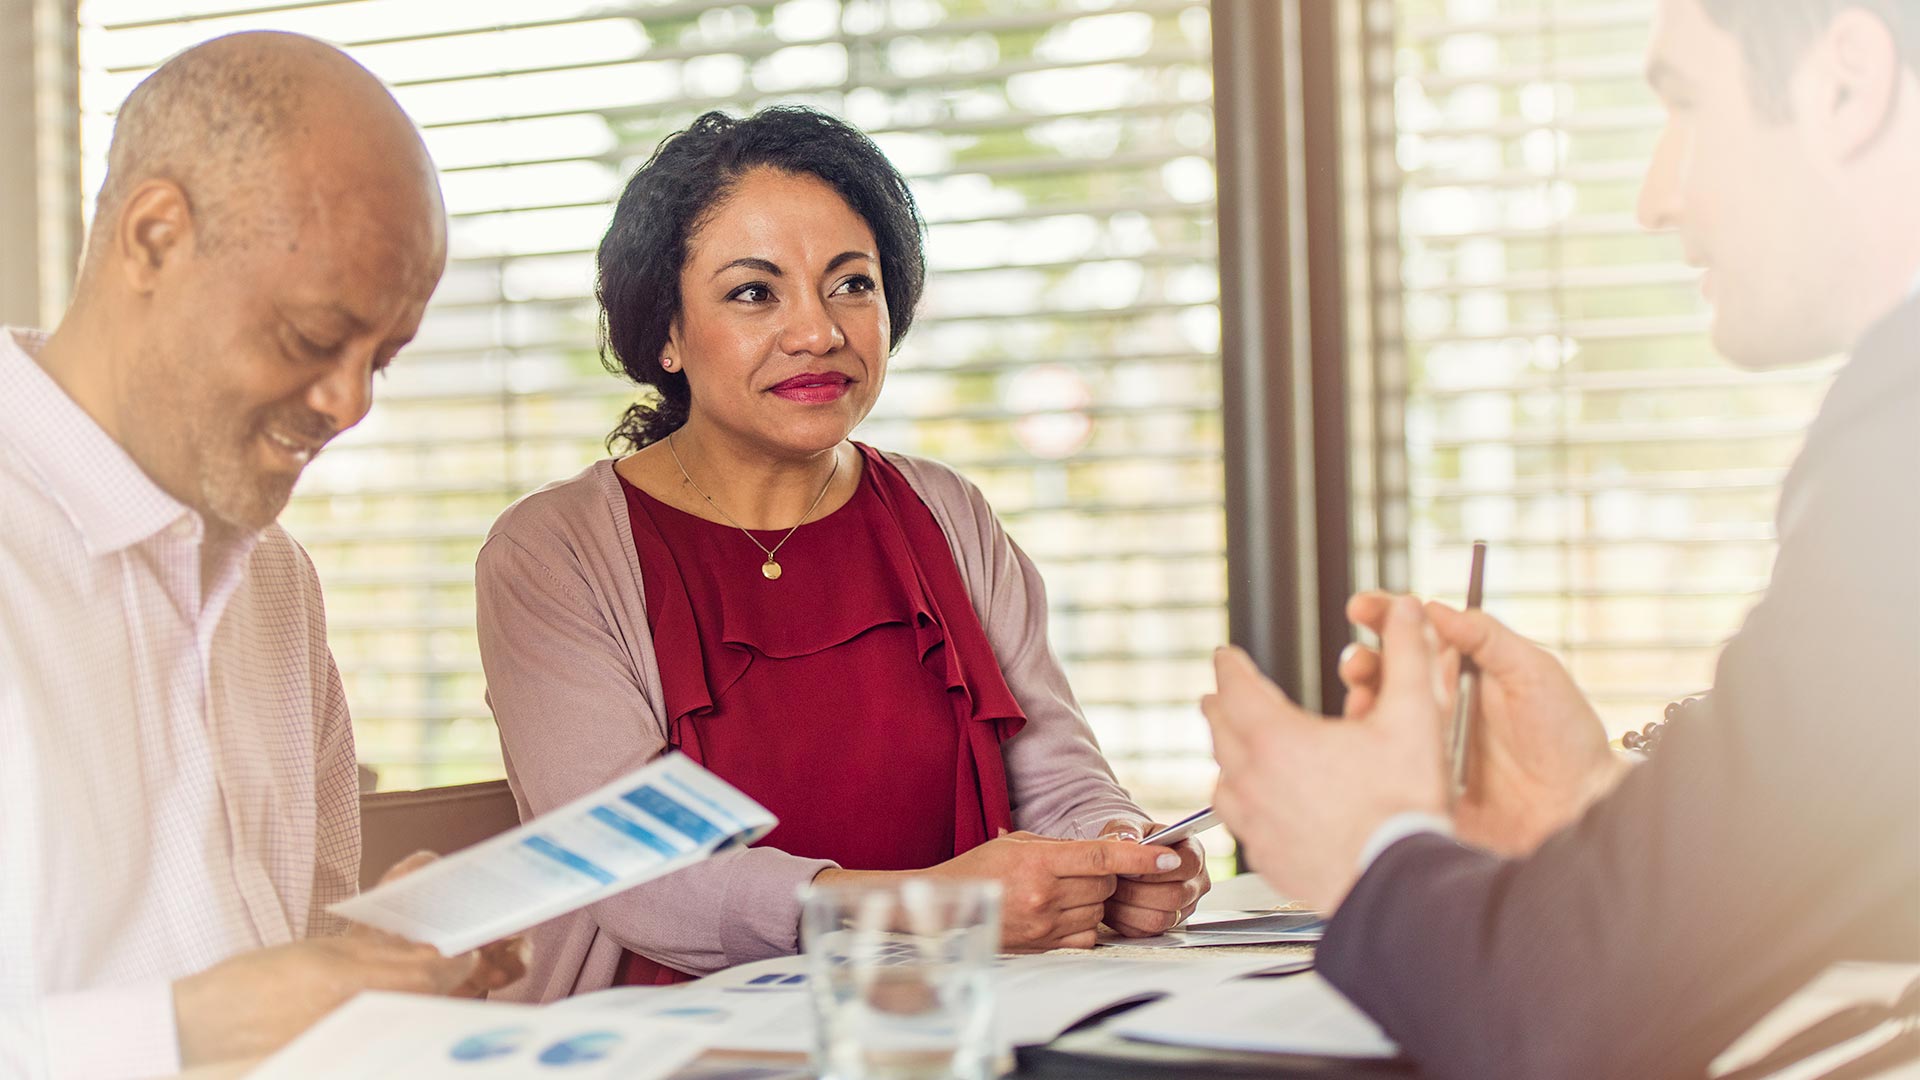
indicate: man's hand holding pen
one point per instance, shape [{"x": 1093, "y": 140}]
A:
[
  {"x": 1304, "y": 796},
  {"x": 1540, "y": 753},
  {"x": 1523, "y": 758}
]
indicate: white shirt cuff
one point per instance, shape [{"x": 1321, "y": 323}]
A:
[
  {"x": 1398, "y": 828},
  {"x": 111, "y": 1033}
]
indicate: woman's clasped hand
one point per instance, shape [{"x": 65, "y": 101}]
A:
[{"x": 1055, "y": 893}]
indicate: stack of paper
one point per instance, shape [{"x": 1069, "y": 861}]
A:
[
  {"x": 1291, "y": 924},
  {"x": 1839, "y": 987},
  {"x": 764, "y": 1006},
  {"x": 1042, "y": 996},
  {"x": 1232, "y": 928},
  {"x": 660, "y": 818},
  {"x": 1300, "y": 1014}
]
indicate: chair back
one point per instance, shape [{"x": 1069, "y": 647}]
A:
[{"x": 395, "y": 824}]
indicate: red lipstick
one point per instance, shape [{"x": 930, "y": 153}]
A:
[{"x": 813, "y": 388}]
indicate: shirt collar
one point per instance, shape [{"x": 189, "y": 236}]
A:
[{"x": 111, "y": 501}]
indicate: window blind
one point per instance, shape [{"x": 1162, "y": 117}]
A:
[
  {"x": 1562, "y": 399},
  {"x": 1066, "y": 358}
]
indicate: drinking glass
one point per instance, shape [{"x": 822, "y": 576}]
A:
[{"x": 901, "y": 978}]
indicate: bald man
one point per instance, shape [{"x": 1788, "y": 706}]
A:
[{"x": 178, "y": 791}]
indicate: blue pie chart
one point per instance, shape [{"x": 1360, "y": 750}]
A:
[
  {"x": 581, "y": 1049},
  {"x": 487, "y": 1045}
]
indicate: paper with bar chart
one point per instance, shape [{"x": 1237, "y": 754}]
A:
[{"x": 665, "y": 816}]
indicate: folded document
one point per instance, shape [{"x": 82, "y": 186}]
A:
[
  {"x": 665, "y": 816},
  {"x": 1231, "y": 928},
  {"x": 766, "y": 1007},
  {"x": 1298, "y": 1014}
]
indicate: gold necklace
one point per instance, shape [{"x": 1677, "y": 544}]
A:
[{"x": 769, "y": 569}]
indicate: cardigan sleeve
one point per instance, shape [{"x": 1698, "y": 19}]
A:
[{"x": 573, "y": 716}]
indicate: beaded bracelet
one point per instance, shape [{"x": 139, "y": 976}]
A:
[{"x": 1647, "y": 739}]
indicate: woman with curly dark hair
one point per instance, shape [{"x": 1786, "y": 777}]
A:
[{"x": 846, "y": 634}]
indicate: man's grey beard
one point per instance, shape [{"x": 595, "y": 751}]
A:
[
  {"x": 240, "y": 500},
  {"x": 229, "y": 486},
  {"x": 239, "y": 497}
]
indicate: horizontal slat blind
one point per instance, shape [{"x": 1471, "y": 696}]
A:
[
  {"x": 1564, "y": 402},
  {"x": 1066, "y": 358}
]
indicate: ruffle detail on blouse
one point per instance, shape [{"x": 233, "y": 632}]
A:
[
  {"x": 957, "y": 650},
  {"x": 703, "y": 654}
]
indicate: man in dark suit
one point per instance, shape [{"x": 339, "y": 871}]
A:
[{"x": 1572, "y": 916}]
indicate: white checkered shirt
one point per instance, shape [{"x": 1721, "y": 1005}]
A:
[{"x": 177, "y": 778}]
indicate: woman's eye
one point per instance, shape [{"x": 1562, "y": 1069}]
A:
[
  {"x": 755, "y": 293},
  {"x": 858, "y": 283}
]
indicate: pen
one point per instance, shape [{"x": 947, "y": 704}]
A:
[
  {"x": 1199, "y": 821},
  {"x": 1467, "y": 701}
]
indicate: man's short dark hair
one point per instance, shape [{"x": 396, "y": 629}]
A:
[{"x": 1775, "y": 35}]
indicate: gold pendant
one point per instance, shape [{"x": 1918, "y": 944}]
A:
[{"x": 770, "y": 570}]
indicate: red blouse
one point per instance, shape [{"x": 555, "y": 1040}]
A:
[{"x": 856, "y": 697}]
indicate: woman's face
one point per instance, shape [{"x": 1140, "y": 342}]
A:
[{"x": 783, "y": 328}]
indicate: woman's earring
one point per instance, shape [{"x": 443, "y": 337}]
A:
[{"x": 667, "y": 362}]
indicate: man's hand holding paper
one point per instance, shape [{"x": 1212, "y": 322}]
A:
[
  {"x": 255, "y": 1002},
  {"x": 669, "y": 814},
  {"x": 498, "y": 964},
  {"x": 450, "y": 926}
]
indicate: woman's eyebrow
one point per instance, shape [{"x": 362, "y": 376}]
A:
[
  {"x": 751, "y": 263},
  {"x": 846, "y": 257}
]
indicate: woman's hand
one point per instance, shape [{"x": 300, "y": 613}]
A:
[
  {"x": 1054, "y": 893},
  {"x": 1152, "y": 904}
]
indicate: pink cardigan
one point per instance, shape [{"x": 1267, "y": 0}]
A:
[{"x": 575, "y": 690}]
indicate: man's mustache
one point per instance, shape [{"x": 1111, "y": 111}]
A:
[{"x": 309, "y": 428}]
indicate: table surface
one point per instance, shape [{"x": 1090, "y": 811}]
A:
[
  {"x": 1083, "y": 1053},
  {"x": 1089, "y": 1053}
]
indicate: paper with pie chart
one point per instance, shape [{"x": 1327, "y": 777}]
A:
[
  {"x": 665, "y": 816},
  {"x": 414, "y": 1037}
]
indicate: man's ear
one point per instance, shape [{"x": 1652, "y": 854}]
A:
[
  {"x": 155, "y": 228},
  {"x": 1851, "y": 83}
]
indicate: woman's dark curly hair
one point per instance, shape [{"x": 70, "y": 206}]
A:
[{"x": 681, "y": 185}]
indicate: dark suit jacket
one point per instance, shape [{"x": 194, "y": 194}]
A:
[{"x": 1764, "y": 841}]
